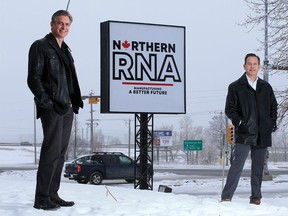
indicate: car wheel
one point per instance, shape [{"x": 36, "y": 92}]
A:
[
  {"x": 82, "y": 181},
  {"x": 96, "y": 178}
]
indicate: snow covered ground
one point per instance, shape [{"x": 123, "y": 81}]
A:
[{"x": 189, "y": 197}]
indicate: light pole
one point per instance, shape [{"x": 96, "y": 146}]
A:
[
  {"x": 91, "y": 128},
  {"x": 92, "y": 100},
  {"x": 266, "y": 175},
  {"x": 266, "y": 61},
  {"x": 129, "y": 135}
]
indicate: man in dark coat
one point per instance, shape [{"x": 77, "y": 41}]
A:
[
  {"x": 53, "y": 81},
  {"x": 252, "y": 107}
]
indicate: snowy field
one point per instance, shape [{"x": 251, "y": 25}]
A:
[{"x": 189, "y": 197}]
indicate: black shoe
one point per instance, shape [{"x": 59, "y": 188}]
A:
[
  {"x": 62, "y": 202},
  {"x": 255, "y": 202},
  {"x": 46, "y": 204},
  {"x": 226, "y": 200}
]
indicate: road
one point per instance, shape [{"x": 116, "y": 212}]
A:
[
  {"x": 203, "y": 172},
  {"x": 207, "y": 173},
  {"x": 191, "y": 174},
  {"x": 17, "y": 168},
  {"x": 197, "y": 172}
]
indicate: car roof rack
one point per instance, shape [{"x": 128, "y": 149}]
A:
[{"x": 108, "y": 153}]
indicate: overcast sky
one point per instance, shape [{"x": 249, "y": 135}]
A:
[{"x": 215, "y": 48}]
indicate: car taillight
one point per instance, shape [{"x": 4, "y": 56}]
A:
[{"x": 78, "y": 168}]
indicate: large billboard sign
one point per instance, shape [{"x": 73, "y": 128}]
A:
[
  {"x": 162, "y": 138},
  {"x": 142, "y": 68}
]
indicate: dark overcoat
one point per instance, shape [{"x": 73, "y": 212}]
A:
[{"x": 253, "y": 113}]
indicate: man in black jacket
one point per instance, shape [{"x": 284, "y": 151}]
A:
[
  {"x": 252, "y": 107},
  {"x": 53, "y": 81}
]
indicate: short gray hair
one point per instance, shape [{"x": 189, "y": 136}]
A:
[{"x": 61, "y": 13}]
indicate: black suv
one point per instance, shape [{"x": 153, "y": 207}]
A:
[{"x": 99, "y": 166}]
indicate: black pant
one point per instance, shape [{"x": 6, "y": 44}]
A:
[
  {"x": 257, "y": 166},
  {"x": 56, "y": 130}
]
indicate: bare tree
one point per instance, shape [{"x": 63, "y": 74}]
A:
[
  {"x": 98, "y": 140},
  {"x": 113, "y": 140},
  {"x": 77, "y": 145},
  {"x": 214, "y": 138},
  {"x": 279, "y": 150},
  {"x": 276, "y": 12},
  {"x": 188, "y": 132},
  {"x": 283, "y": 108},
  {"x": 185, "y": 134},
  {"x": 186, "y": 126}
]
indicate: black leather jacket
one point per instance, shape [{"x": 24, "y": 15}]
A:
[
  {"x": 47, "y": 77},
  {"x": 253, "y": 113}
]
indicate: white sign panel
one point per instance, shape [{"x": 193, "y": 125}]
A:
[{"x": 142, "y": 68}]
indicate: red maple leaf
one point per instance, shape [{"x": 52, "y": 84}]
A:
[{"x": 126, "y": 44}]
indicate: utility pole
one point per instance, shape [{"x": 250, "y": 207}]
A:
[
  {"x": 91, "y": 127},
  {"x": 266, "y": 61},
  {"x": 266, "y": 175},
  {"x": 92, "y": 100},
  {"x": 129, "y": 136}
]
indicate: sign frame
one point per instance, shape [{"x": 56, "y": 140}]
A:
[{"x": 143, "y": 72}]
